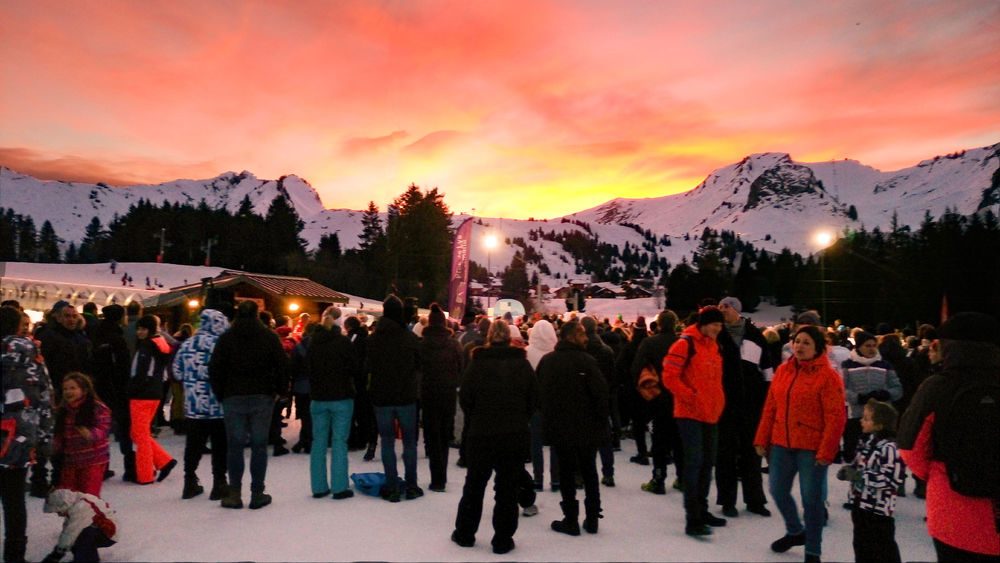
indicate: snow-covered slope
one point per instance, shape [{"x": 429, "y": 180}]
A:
[
  {"x": 768, "y": 199},
  {"x": 773, "y": 201}
]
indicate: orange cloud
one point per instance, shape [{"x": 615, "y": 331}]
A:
[{"x": 572, "y": 102}]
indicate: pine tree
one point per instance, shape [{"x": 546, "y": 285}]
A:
[
  {"x": 48, "y": 243},
  {"x": 372, "y": 233},
  {"x": 27, "y": 240}
]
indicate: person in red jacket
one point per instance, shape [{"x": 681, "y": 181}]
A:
[
  {"x": 694, "y": 377},
  {"x": 83, "y": 423},
  {"x": 964, "y": 528},
  {"x": 800, "y": 429}
]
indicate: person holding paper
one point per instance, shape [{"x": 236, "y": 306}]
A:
[{"x": 746, "y": 367}]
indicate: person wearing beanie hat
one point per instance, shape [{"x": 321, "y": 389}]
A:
[
  {"x": 145, "y": 389},
  {"x": 692, "y": 371},
  {"x": 710, "y": 314},
  {"x": 436, "y": 316},
  {"x": 747, "y": 366},
  {"x": 393, "y": 361},
  {"x": 441, "y": 360},
  {"x": 963, "y": 527},
  {"x": 731, "y": 302},
  {"x": 111, "y": 377}
]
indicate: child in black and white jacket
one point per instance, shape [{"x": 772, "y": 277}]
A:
[{"x": 875, "y": 475}]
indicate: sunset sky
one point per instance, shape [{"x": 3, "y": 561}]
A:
[{"x": 512, "y": 108}]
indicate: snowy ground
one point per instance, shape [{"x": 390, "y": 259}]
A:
[{"x": 156, "y": 525}]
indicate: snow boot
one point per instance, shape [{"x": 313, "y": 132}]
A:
[
  {"x": 219, "y": 488},
  {"x": 192, "y": 487},
  {"x": 166, "y": 469},
  {"x": 259, "y": 500},
  {"x": 13, "y": 549},
  {"x": 570, "y": 524},
  {"x": 656, "y": 484},
  {"x": 593, "y": 510},
  {"x": 233, "y": 498},
  {"x": 129, "y": 474},
  {"x": 787, "y": 542}
]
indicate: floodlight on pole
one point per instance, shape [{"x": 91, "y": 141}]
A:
[
  {"x": 823, "y": 239},
  {"x": 490, "y": 241}
]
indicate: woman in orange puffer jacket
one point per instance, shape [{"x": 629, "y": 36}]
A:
[
  {"x": 694, "y": 377},
  {"x": 800, "y": 428}
]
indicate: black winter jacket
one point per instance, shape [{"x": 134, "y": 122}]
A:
[
  {"x": 392, "y": 364},
  {"x": 651, "y": 352},
  {"x": 110, "y": 363},
  {"x": 64, "y": 351},
  {"x": 574, "y": 398},
  {"x": 150, "y": 367},
  {"x": 498, "y": 392},
  {"x": 248, "y": 360},
  {"x": 329, "y": 361},
  {"x": 441, "y": 359}
]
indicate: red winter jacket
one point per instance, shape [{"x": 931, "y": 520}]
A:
[
  {"x": 804, "y": 408},
  {"x": 697, "y": 388},
  {"x": 955, "y": 519}
]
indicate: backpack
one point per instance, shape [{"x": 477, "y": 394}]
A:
[
  {"x": 967, "y": 439},
  {"x": 649, "y": 385}
]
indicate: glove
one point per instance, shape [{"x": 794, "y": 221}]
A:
[
  {"x": 848, "y": 473},
  {"x": 880, "y": 395},
  {"x": 56, "y": 555}
]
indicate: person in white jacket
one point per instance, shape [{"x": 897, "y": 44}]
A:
[
  {"x": 541, "y": 340},
  {"x": 90, "y": 524}
]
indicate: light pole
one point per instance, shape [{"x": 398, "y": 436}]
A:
[
  {"x": 823, "y": 240},
  {"x": 490, "y": 242}
]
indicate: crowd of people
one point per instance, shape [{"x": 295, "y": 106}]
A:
[{"x": 724, "y": 396}]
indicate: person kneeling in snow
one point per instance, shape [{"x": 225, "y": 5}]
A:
[{"x": 89, "y": 525}]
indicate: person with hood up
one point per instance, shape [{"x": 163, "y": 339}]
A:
[
  {"x": 393, "y": 362},
  {"x": 145, "y": 389},
  {"x": 963, "y": 527},
  {"x": 247, "y": 371},
  {"x": 799, "y": 431},
  {"x": 202, "y": 408},
  {"x": 441, "y": 361},
  {"x": 498, "y": 398},
  {"x": 574, "y": 399},
  {"x": 694, "y": 378},
  {"x": 329, "y": 360},
  {"x": 90, "y": 524},
  {"x": 541, "y": 340},
  {"x": 26, "y": 422}
]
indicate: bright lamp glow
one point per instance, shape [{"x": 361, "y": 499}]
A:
[
  {"x": 823, "y": 238},
  {"x": 193, "y": 304},
  {"x": 293, "y": 307},
  {"x": 490, "y": 241}
]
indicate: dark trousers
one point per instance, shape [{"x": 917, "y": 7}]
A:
[
  {"x": 302, "y": 405},
  {"x": 274, "y": 429},
  {"x": 199, "y": 432},
  {"x": 484, "y": 455},
  {"x": 15, "y": 515},
  {"x": 700, "y": 442},
  {"x": 616, "y": 414},
  {"x": 439, "y": 419},
  {"x": 364, "y": 430},
  {"x": 667, "y": 444},
  {"x": 85, "y": 547},
  {"x": 122, "y": 421},
  {"x": 950, "y": 554},
  {"x": 874, "y": 537},
  {"x": 582, "y": 460},
  {"x": 737, "y": 462},
  {"x": 852, "y": 431},
  {"x": 248, "y": 418}
]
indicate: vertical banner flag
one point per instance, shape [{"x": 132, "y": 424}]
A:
[{"x": 458, "y": 282}]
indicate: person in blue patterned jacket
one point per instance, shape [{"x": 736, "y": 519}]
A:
[
  {"x": 202, "y": 409},
  {"x": 875, "y": 475},
  {"x": 866, "y": 376}
]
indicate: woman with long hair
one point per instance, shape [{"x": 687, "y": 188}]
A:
[{"x": 83, "y": 423}]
